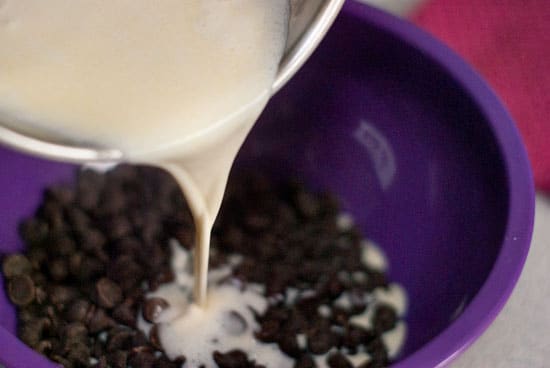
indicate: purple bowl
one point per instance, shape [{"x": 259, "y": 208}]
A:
[{"x": 420, "y": 151}]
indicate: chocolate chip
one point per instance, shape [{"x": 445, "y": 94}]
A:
[
  {"x": 118, "y": 227},
  {"x": 108, "y": 294},
  {"x": 126, "y": 313},
  {"x": 308, "y": 305},
  {"x": 97, "y": 348},
  {"x": 66, "y": 363},
  {"x": 231, "y": 359},
  {"x": 151, "y": 229},
  {"x": 164, "y": 362},
  {"x": 118, "y": 359},
  {"x": 64, "y": 195},
  {"x": 340, "y": 316},
  {"x": 78, "y": 219},
  {"x": 64, "y": 245},
  {"x": 52, "y": 212},
  {"x": 269, "y": 331},
  {"x": 39, "y": 278},
  {"x": 298, "y": 323},
  {"x": 78, "y": 310},
  {"x": 44, "y": 347},
  {"x": 377, "y": 350},
  {"x": 180, "y": 360},
  {"x": 385, "y": 318},
  {"x": 337, "y": 360},
  {"x": 139, "y": 339},
  {"x": 128, "y": 246},
  {"x": 87, "y": 194},
  {"x": 160, "y": 278},
  {"x": 44, "y": 324},
  {"x": 142, "y": 359},
  {"x": 29, "y": 333},
  {"x": 21, "y": 290},
  {"x": 28, "y": 313},
  {"x": 37, "y": 256},
  {"x": 141, "y": 349},
  {"x": 256, "y": 221},
  {"x": 113, "y": 201},
  {"x": 307, "y": 204},
  {"x": 99, "y": 320},
  {"x": 34, "y": 231},
  {"x": 374, "y": 364},
  {"x": 88, "y": 268},
  {"x": 289, "y": 345},
  {"x": 75, "y": 331},
  {"x": 154, "y": 338},
  {"x": 58, "y": 269},
  {"x": 125, "y": 271},
  {"x": 75, "y": 263},
  {"x": 92, "y": 240},
  {"x": 279, "y": 313},
  {"x": 305, "y": 361},
  {"x": 153, "y": 308},
  {"x": 16, "y": 265},
  {"x": 355, "y": 336},
  {"x": 79, "y": 352},
  {"x": 40, "y": 295},
  {"x": 120, "y": 339},
  {"x": 62, "y": 295},
  {"x": 101, "y": 362},
  {"x": 233, "y": 237},
  {"x": 375, "y": 280},
  {"x": 319, "y": 342},
  {"x": 334, "y": 287}
]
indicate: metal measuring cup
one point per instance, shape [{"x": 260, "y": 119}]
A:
[{"x": 308, "y": 23}]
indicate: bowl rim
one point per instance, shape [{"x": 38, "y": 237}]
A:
[{"x": 497, "y": 288}]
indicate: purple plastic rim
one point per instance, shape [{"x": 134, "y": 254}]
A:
[{"x": 496, "y": 290}]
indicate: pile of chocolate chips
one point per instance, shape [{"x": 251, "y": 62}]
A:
[{"x": 94, "y": 249}]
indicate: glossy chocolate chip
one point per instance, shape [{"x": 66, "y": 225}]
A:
[
  {"x": 16, "y": 265},
  {"x": 338, "y": 360},
  {"x": 108, "y": 293},
  {"x": 153, "y": 308},
  {"x": 21, "y": 290},
  {"x": 231, "y": 359}
]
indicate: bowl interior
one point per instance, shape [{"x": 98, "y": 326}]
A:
[{"x": 374, "y": 120}]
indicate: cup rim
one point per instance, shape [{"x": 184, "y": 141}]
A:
[{"x": 497, "y": 288}]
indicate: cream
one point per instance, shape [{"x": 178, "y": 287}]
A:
[{"x": 176, "y": 84}]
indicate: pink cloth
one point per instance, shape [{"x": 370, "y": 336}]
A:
[{"x": 508, "y": 42}]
